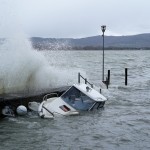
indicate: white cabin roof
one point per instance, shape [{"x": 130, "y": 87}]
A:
[{"x": 92, "y": 93}]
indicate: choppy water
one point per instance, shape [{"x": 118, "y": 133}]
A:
[{"x": 124, "y": 123}]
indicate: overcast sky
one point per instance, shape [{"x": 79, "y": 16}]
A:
[{"x": 74, "y": 18}]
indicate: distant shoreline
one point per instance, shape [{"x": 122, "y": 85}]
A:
[
  {"x": 134, "y": 42},
  {"x": 93, "y": 49}
]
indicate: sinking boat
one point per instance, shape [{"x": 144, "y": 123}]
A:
[
  {"x": 79, "y": 97},
  {"x": 66, "y": 101}
]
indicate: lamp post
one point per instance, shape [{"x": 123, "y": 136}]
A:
[{"x": 103, "y": 28}]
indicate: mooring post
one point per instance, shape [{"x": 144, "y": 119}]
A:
[
  {"x": 107, "y": 82},
  {"x": 126, "y": 76},
  {"x": 79, "y": 77},
  {"x": 108, "y": 77}
]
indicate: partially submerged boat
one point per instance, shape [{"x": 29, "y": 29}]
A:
[
  {"x": 66, "y": 101},
  {"x": 79, "y": 97}
]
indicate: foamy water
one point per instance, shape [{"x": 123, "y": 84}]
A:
[
  {"x": 25, "y": 69},
  {"x": 21, "y": 67},
  {"x": 122, "y": 124}
]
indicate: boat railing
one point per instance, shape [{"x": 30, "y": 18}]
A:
[
  {"x": 85, "y": 80},
  {"x": 49, "y": 96}
]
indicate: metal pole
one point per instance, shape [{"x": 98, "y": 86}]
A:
[
  {"x": 85, "y": 80},
  {"x": 103, "y": 28},
  {"x": 103, "y": 58}
]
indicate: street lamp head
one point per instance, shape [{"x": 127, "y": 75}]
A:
[{"x": 103, "y": 28}]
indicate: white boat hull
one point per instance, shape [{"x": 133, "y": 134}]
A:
[
  {"x": 78, "y": 98},
  {"x": 55, "y": 107}
]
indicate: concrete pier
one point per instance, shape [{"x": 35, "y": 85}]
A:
[{"x": 14, "y": 100}]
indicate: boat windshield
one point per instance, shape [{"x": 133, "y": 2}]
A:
[{"x": 77, "y": 99}]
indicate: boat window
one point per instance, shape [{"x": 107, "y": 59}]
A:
[
  {"x": 64, "y": 108},
  {"x": 77, "y": 99}
]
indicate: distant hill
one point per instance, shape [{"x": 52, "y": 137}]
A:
[{"x": 141, "y": 41}]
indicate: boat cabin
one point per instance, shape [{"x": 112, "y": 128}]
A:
[{"x": 82, "y": 97}]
